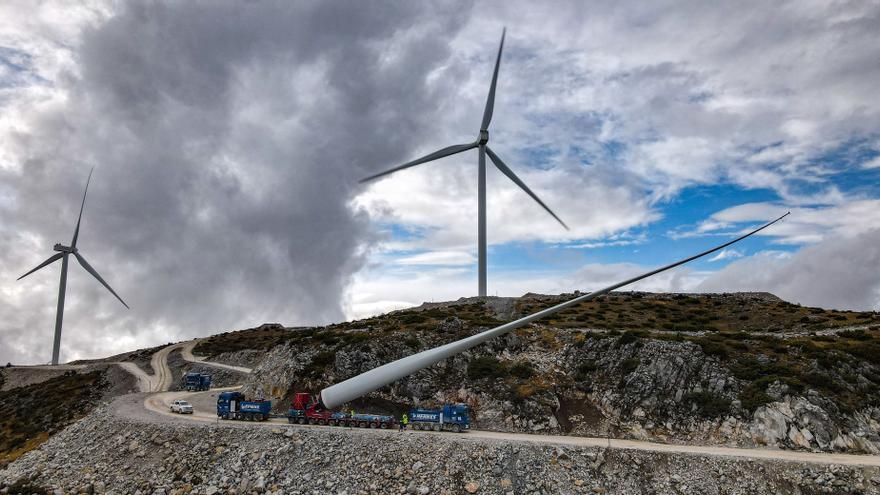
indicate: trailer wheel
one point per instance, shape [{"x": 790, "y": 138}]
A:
[
  {"x": 362, "y": 424},
  {"x": 437, "y": 427},
  {"x": 384, "y": 426}
]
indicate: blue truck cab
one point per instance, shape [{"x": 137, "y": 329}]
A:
[
  {"x": 196, "y": 381},
  {"x": 234, "y": 405},
  {"x": 451, "y": 417}
]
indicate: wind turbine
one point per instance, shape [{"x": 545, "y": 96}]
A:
[
  {"x": 63, "y": 253},
  {"x": 481, "y": 143}
]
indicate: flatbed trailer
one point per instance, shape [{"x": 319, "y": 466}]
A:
[{"x": 305, "y": 410}]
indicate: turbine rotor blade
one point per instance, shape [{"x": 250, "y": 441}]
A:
[
  {"x": 52, "y": 259},
  {"x": 450, "y": 150},
  {"x": 81, "y": 206},
  {"x": 516, "y": 180},
  {"x": 376, "y": 378},
  {"x": 490, "y": 100},
  {"x": 85, "y": 264}
]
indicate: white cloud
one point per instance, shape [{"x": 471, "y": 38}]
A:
[
  {"x": 727, "y": 254},
  {"x": 438, "y": 258},
  {"x": 836, "y": 273},
  {"x": 873, "y": 163}
]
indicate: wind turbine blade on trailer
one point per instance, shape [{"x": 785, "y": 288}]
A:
[
  {"x": 376, "y": 378},
  {"x": 490, "y": 100},
  {"x": 81, "y": 206},
  {"x": 85, "y": 264},
  {"x": 516, "y": 180},
  {"x": 450, "y": 150},
  {"x": 52, "y": 259}
]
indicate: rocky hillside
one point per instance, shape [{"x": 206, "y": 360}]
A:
[
  {"x": 106, "y": 453},
  {"x": 731, "y": 369}
]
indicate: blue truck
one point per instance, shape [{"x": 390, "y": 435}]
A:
[
  {"x": 234, "y": 405},
  {"x": 196, "y": 381},
  {"x": 451, "y": 417}
]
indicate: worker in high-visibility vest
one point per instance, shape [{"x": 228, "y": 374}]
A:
[{"x": 403, "y": 422}]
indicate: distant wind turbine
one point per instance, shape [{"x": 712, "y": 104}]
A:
[
  {"x": 63, "y": 253},
  {"x": 481, "y": 143}
]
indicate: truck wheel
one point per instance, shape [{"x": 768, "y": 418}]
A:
[
  {"x": 456, "y": 428},
  {"x": 322, "y": 422},
  {"x": 301, "y": 421},
  {"x": 384, "y": 426},
  {"x": 437, "y": 427},
  {"x": 290, "y": 420},
  {"x": 373, "y": 425},
  {"x": 363, "y": 424}
]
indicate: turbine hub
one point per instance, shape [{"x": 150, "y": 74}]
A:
[
  {"x": 64, "y": 249},
  {"x": 484, "y": 137}
]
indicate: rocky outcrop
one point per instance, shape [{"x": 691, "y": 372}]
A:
[
  {"x": 576, "y": 382},
  {"x": 105, "y": 453}
]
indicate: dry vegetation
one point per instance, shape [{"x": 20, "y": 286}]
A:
[
  {"x": 692, "y": 313},
  {"x": 29, "y": 415}
]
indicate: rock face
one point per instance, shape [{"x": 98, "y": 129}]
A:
[
  {"x": 105, "y": 453},
  {"x": 544, "y": 379}
]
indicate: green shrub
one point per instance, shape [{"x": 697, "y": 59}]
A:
[
  {"x": 413, "y": 343},
  {"x": 713, "y": 348},
  {"x": 629, "y": 365},
  {"x": 588, "y": 366},
  {"x": 709, "y": 404},
  {"x": 821, "y": 380},
  {"x": 485, "y": 367},
  {"x": 522, "y": 370},
  {"x": 855, "y": 335},
  {"x": 629, "y": 337},
  {"x": 753, "y": 397}
]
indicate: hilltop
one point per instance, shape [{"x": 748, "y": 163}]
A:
[{"x": 739, "y": 370}]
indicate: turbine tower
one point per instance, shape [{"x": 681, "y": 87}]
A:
[
  {"x": 63, "y": 253},
  {"x": 372, "y": 380},
  {"x": 482, "y": 143}
]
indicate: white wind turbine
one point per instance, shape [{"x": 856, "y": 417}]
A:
[
  {"x": 481, "y": 143},
  {"x": 63, "y": 253}
]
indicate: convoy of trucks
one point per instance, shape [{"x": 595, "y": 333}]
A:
[{"x": 305, "y": 409}]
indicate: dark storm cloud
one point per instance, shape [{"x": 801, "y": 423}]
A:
[{"x": 228, "y": 139}]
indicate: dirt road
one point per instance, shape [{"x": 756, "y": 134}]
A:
[{"x": 203, "y": 412}]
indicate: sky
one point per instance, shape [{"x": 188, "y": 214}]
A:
[{"x": 228, "y": 139}]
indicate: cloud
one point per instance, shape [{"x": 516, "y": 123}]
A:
[
  {"x": 448, "y": 258},
  {"x": 228, "y": 140},
  {"x": 727, "y": 254},
  {"x": 836, "y": 273}
]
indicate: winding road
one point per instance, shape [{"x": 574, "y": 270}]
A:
[
  {"x": 159, "y": 400},
  {"x": 163, "y": 377}
]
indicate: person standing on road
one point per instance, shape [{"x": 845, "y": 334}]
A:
[{"x": 403, "y": 422}]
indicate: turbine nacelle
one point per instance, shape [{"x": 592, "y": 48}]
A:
[
  {"x": 484, "y": 137},
  {"x": 64, "y": 249}
]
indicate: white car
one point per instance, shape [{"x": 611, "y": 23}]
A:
[{"x": 181, "y": 407}]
